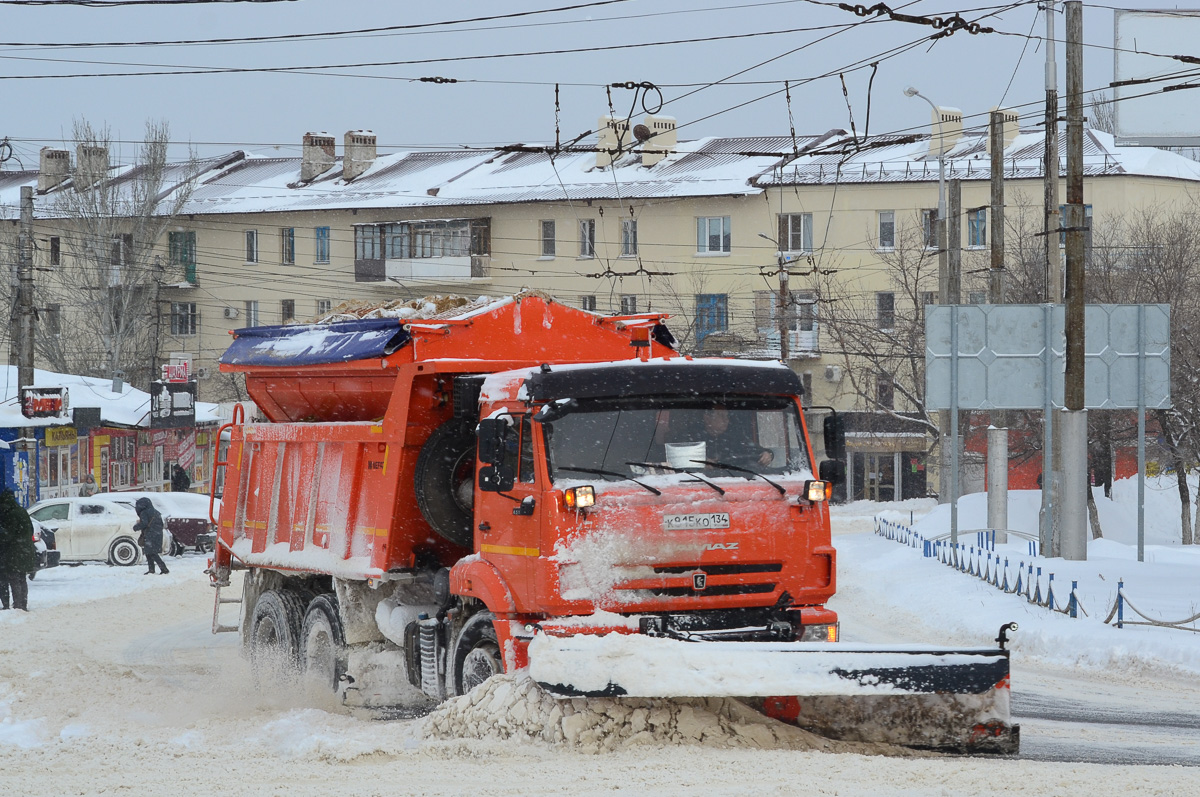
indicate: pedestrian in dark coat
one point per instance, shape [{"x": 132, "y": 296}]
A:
[
  {"x": 180, "y": 481},
  {"x": 17, "y": 553},
  {"x": 150, "y": 524}
]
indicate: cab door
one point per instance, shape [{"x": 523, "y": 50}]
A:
[{"x": 507, "y": 511}]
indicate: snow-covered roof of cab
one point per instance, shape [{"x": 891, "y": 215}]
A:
[{"x": 673, "y": 377}]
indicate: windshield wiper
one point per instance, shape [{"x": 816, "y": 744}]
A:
[
  {"x": 739, "y": 469},
  {"x": 699, "y": 478},
  {"x": 599, "y": 472}
]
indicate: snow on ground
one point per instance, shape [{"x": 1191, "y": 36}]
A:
[{"x": 113, "y": 683}]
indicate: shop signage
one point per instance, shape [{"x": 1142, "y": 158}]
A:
[{"x": 44, "y": 402}]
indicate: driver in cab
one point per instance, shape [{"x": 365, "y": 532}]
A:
[{"x": 725, "y": 444}]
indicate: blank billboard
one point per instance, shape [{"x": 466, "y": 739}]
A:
[{"x": 1145, "y": 113}]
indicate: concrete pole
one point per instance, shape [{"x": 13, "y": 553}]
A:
[
  {"x": 954, "y": 244},
  {"x": 996, "y": 274},
  {"x": 997, "y": 482},
  {"x": 1051, "y": 438},
  {"x": 1075, "y": 480},
  {"x": 25, "y": 309},
  {"x": 785, "y": 302}
]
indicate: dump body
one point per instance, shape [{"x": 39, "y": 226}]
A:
[{"x": 433, "y": 501}]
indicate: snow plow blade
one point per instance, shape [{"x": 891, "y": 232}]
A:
[{"x": 914, "y": 696}]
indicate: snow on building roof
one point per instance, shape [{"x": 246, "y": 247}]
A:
[
  {"x": 241, "y": 182},
  {"x": 130, "y": 407}
]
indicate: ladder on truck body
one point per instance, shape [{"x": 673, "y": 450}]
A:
[{"x": 219, "y": 575}]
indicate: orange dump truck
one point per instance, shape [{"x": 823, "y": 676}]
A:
[{"x": 516, "y": 484}]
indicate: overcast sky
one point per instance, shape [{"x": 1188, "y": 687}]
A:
[{"x": 506, "y": 100}]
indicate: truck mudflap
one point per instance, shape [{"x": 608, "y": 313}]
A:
[{"x": 915, "y": 696}]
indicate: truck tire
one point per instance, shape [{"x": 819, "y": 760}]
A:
[
  {"x": 445, "y": 481},
  {"x": 275, "y": 629},
  {"x": 477, "y": 654},
  {"x": 323, "y": 643}
]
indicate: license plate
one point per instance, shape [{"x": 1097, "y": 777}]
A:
[{"x": 711, "y": 520}]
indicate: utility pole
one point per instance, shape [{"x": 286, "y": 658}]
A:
[
  {"x": 954, "y": 244},
  {"x": 25, "y": 310},
  {"x": 785, "y": 302},
  {"x": 997, "y": 478},
  {"x": 1074, "y": 418},
  {"x": 1053, "y": 272}
]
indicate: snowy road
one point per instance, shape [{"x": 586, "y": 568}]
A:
[{"x": 113, "y": 684}]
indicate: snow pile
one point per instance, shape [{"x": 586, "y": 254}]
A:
[
  {"x": 514, "y": 707},
  {"x": 423, "y": 308}
]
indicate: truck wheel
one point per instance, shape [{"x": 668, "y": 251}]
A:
[
  {"x": 445, "y": 481},
  {"x": 275, "y": 629},
  {"x": 477, "y": 654},
  {"x": 124, "y": 552},
  {"x": 323, "y": 643}
]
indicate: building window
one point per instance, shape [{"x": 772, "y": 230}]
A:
[
  {"x": 929, "y": 228},
  {"x": 368, "y": 242},
  {"x": 587, "y": 237},
  {"x": 183, "y": 318},
  {"x": 588, "y": 303},
  {"x": 629, "y": 304},
  {"x": 251, "y": 314},
  {"x": 287, "y": 245},
  {"x": 287, "y": 310},
  {"x": 712, "y": 315},
  {"x": 55, "y": 251},
  {"x": 321, "y": 251},
  {"x": 805, "y": 303},
  {"x": 181, "y": 251},
  {"x": 885, "y": 392},
  {"x": 53, "y": 316},
  {"x": 887, "y": 229},
  {"x": 251, "y": 246},
  {"x": 885, "y": 309},
  {"x": 928, "y": 298},
  {"x": 547, "y": 227},
  {"x": 977, "y": 297},
  {"x": 629, "y": 237},
  {"x": 977, "y": 227},
  {"x": 418, "y": 240},
  {"x": 796, "y": 232},
  {"x": 713, "y": 235},
  {"x": 122, "y": 249},
  {"x": 324, "y": 306}
]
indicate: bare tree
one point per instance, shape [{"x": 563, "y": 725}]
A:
[
  {"x": 113, "y": 222},
  {"x": 880, "y": 335}
]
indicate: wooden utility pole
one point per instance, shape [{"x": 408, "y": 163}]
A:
[
  {"x": 1074, "y": 484},
  {"x": 25, "y": 309},
  {"x": 1050, "y": 167},
  {"x": 996, "y": 274},
  {"x": 954, "y": 244},
  {"x": 785, "y": 303}
]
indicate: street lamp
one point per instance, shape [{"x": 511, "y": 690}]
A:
[
  {"x": 912, "y": 92},
  {"x": 784, "y": 298}
]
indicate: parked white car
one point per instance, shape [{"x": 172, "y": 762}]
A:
[
  {"x": 86, "y": 529},
  {"x": 185, "y": 515}
]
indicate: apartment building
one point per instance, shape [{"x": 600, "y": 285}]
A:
[{"x": 636, "y": 221}]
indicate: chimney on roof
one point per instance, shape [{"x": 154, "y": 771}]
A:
[
  {"x": 613, "y": 135},
  {"x": 358, "y": 153},
  {"x": 91, "y": 165},
  {"x": 54, "y": 167},
  {"x": 1012, "y": 127},
  {"x": 318, "y": 156},
  {"x": 945, "y": 130},
  {"x": 656, "y": 135}
]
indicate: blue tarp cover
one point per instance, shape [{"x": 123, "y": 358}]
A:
[{"x": 313, "y": 344}]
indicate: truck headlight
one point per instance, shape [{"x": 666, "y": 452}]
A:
[
  {"x": 579, "y": 497},
  {"x": 816, "y": 491},
  {"x": 821, "y": 632}
]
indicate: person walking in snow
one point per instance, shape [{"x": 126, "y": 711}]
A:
[
  {"x": 17, "y": 553},
  {"x": 180, "y": 481},
  {"x": 150, "y": 524}
]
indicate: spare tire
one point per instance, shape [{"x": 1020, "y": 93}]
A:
[{"x": 445, "y": 481}]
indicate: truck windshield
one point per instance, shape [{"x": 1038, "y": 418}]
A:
[{"x": 636, "y": 437}]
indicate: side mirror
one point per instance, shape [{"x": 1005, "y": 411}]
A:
[
  {"x": 832, "y": 471},
  {"x": 555, "y": 410},
  {"x": 835, "y": 436},
  {"x": 490, "y": 434}
]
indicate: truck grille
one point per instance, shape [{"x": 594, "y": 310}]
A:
[
  {"x": 723, "y": 570},
  {"x": 714, "y": 591}
]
